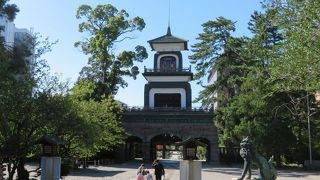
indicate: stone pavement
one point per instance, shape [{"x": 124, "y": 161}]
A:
[{"x": 127, "y": 171}]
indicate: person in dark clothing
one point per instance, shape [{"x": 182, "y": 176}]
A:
[
  {"x": 245, "y": 153},
  {"x": 158, "y": 169}
]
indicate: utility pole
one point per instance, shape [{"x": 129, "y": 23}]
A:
[{"x": 308, "y": 117}]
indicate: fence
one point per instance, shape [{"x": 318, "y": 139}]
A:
[{"x": 230, "y": 155}]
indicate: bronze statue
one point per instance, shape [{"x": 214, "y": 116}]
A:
[
  {"x": 245, "y": 153},
  {"x": 266, "y": 168}
]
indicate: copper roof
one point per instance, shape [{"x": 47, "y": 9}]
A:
[{"x": 168, "y": 38}]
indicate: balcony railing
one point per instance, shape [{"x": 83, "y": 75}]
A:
[
  {"x": 171, "y": 70},
  {"x": 165, "y": 109}
]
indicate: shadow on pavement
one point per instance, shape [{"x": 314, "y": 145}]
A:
[
  {"x": 168, "y": 164},
  {"x": 126, "y": 165},
  {"x": 94, "y": 173},
  {"x": 224, "y": 169},
  {"x": 295, "y": 173}
]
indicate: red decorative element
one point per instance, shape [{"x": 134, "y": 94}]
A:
[{"x": 168, "y": 63}]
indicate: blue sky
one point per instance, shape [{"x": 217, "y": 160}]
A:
[{"x": 56, "y": 19}]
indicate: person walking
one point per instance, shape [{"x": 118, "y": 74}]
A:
[
  {"x": 148, "y": 176},
  {"x": 158, "y": 169},
  {"x": 141, "y": 172}
]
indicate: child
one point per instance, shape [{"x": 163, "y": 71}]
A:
[
  {"x": 140, "y": 172},
  {"x": 148, "y": 176}
]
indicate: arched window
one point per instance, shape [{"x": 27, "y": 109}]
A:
[{"x": 168, "y": 63}]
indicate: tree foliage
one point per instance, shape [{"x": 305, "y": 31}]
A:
[
  {"x": 103, "y": 129},
  {"x": 105, "y": 26},
  {"x": 9, "y": 10},
  {"x": 94, "y": 91},
  {"x": 296, "y": 67},
  {"x": 295, "y": 70},
  {"x": 265, "y": 83},
  {"x": 215, "y": 38},
  {"x": 217, "y": 46},
  {"x": 26, "y": 88}
]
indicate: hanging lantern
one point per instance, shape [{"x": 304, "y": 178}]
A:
[{"x": 190, "y": 148}]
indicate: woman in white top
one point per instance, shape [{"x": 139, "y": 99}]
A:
[{"x": 140, "y": 172}]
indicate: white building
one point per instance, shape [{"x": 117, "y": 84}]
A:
[
  {"x": 212, "y": 78},
  {"x": 7, "y": 30},
  {"x": 15, "y": 36}
]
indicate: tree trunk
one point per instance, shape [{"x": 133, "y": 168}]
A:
[
  {"x": 278, "y": 158},
  {"x": 84, "y": 165},
  {"x": 12, "y": 170},
  {"x": 23, "y": 174}
]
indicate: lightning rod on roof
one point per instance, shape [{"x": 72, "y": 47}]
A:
[{"x": 169, "y": 13}]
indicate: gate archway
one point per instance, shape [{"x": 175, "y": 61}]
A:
[
  {"x": 133, "y": 147},
  {"x": 163, "y": 147},
  {"x": 203, "y": 152}
]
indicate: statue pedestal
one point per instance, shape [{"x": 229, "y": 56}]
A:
[
  {"x": 190, "y": 170},
  {"x": 50, "y": 168}
]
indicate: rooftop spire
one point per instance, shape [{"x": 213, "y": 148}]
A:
[
  {"x": 169, "y": 13},
  {"x": 169, "y": 31}
]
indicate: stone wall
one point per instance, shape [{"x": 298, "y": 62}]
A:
[{"x": 147, "y": 125}]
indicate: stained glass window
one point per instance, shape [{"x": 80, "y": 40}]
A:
[{"x": 168, "y": 63}]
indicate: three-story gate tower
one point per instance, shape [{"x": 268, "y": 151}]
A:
[{"x": 167, "y": 116}]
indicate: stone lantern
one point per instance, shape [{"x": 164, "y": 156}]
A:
[
  {"x": 50, "y": 146},
  {"x": 190, "y": 168},
  {"x": 50, "y": 160},
  {"x": 190, "y": 148}
]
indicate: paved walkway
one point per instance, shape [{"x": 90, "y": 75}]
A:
[{"x": 127, "y": 171}]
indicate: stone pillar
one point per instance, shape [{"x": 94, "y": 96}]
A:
[
  {"x": 121, "y": 154},
  {"x": 50, "y": 168},
  {"x": 214, "y": 152},
  {"x": 146, "y": 151},
  {"x": 190, "y": 170}
]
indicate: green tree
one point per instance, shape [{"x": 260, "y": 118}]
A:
[
  {"x": 102, "y": 119},
  {"x": 258, "y": 106},
  {"x": 295, "y": 70},
  {"x": 243, "y": 86},
  {"x": 107, "y": 26},
  {"x": 34, "y": 104},
  {"x": 9, "y": 10},
  {"x": 100, "y": 80},
  {"x": 219, "y": 52},
  {"x": 299, "y": 22},
  {"x": 103, "y": 128},
  {"x": 23, "y": 87},
  {"x": 275, "y": 81},
  {"x": 214, "y": 39}
]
